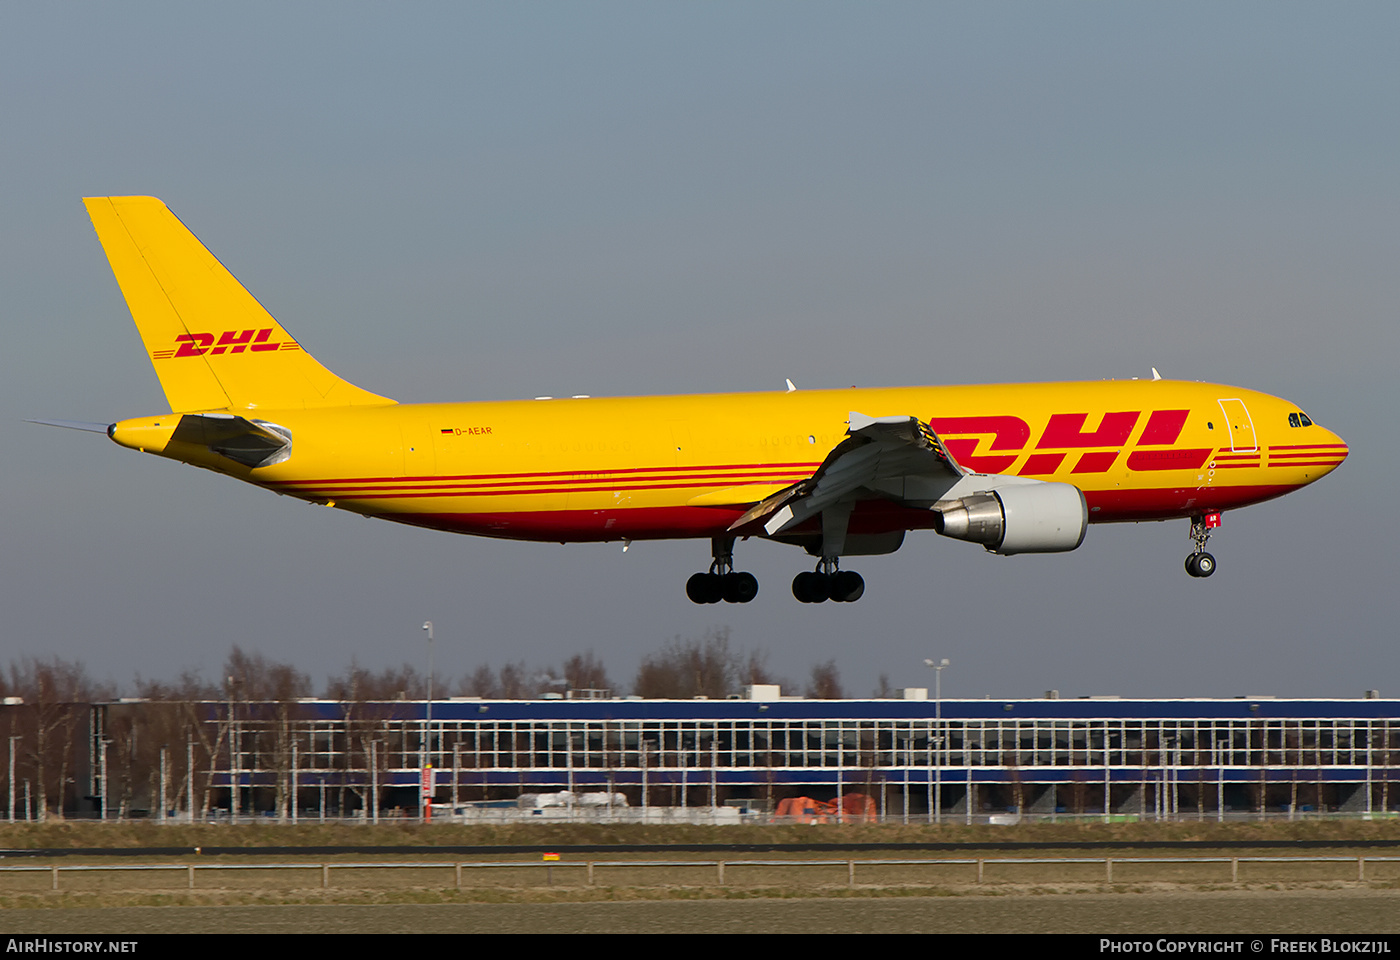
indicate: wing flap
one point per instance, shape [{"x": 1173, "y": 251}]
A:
[{"x": 878, "y": 459}]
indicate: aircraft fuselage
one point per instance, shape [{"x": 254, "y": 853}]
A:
[{"x": 637, "y": 468}]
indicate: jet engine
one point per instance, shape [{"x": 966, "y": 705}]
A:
[{"x": 1019, "y": 518}]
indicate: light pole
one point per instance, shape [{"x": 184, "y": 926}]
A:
[
  {"x": 232, "y": 759},
  {"x": 938, "y": 668},
  {"x": 106, "y": 742},
  {"x": 937, "y": 684},
  {"x": 427, "y": 773},
  {"x": 189, "y": 777},
  {"x": 11, "y": 815}
]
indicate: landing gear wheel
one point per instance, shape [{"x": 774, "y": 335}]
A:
[
  {"x": 811, "y": 587},
  {"x": 704, "y": 588},
  {"x": 1200, "y": 564},
  {"x": 721, "y": 582},
  {"x": 847, "y": 586},
  {"x": 739, "y": 587}
]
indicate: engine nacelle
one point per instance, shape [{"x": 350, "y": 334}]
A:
[{"x": 1020, "y": 518}]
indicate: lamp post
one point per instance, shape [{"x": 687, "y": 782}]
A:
[
  {"x": 427, "y": 784},
  {"x": 11, "y": 814},
  {"x": 938, "y": 668},
  {"x": 106, "y": 742},
  {"x": 189, "y": 777},
  {"x": 232, "y": 758}
]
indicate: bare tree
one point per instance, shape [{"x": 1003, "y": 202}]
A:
[
  {"x": 685, "y": 668},
  {"x": 755, "y": 670},
  {"x": 584, "y": 671},
  {"x": 259, "y": 678},
  {"x": 825, "y": 683},
  {"x": 481, "y": 682},
  {"x": 177, "y": 722},
  {"x": 366, "y": 700},
  {"x": 403, "y": 682},
  {"x": 518, "y": 682},
  {"x": 56, "y": 695},
  {"x": 270, "y": 691}
]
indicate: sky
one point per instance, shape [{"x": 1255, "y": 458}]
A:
[{"x": 478, "y": 201}]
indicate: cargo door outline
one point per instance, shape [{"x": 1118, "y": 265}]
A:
[{"x": 1240, "y": 425}]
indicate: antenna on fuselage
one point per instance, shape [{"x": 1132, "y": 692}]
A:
[
  {"x": 1155, "y": 374},
  {"x": 790, "y": 385}
]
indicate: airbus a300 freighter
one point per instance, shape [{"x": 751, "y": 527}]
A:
[{"x": 1017, "y": 468}]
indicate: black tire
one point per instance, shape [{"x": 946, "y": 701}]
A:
[
  {"x": 810, "y": 587},
  {"x": 1191, "y": 565},
  {"x": 847, "y": 586},
  {"x": 704, "y": 588},
  {"x": 1205, "y": 564},
  {"x": 740, "y": 587}
]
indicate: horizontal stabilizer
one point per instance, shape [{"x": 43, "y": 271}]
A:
[{"x": 253, "y": 443}]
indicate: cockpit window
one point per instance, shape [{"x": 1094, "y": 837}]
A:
[
  {"x": 1304, "y": 417},
  {"x": 1299, "y": 419},
  {"x": 1293, "y": 420}
]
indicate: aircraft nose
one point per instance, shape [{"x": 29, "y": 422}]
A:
[{"x": 1328, "y": 453}]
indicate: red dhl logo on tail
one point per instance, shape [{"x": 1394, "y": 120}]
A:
[{"x": 229, "y": 341}]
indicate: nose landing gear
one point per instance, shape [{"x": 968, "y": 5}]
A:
[
  {"x": 1200, "y": 563},
  {"x": 722, "y": 582}
]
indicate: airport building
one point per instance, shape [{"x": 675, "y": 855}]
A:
[{"x": 916, "y": 758}]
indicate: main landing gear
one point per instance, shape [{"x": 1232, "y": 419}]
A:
[
  {"x": 828, "y": 583},
  {"x": 722, "y": 583},
  {"x": 1200, "y": 563}
]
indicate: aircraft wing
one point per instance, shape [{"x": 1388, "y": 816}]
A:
[{"x": 892, "y": 458}]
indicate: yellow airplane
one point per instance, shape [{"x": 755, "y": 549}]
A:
[{"x": 1018, "y": 468}]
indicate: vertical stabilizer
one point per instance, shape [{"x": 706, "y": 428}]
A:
[{"x": 213, "y": 346}]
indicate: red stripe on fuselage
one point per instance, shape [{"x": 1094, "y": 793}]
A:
[
  {"x": 557, "y": 473},
  {"x": 423, "y": 492},
  {"x": 1140, "y": 460},
  {"x": 547, "y": 486}
]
